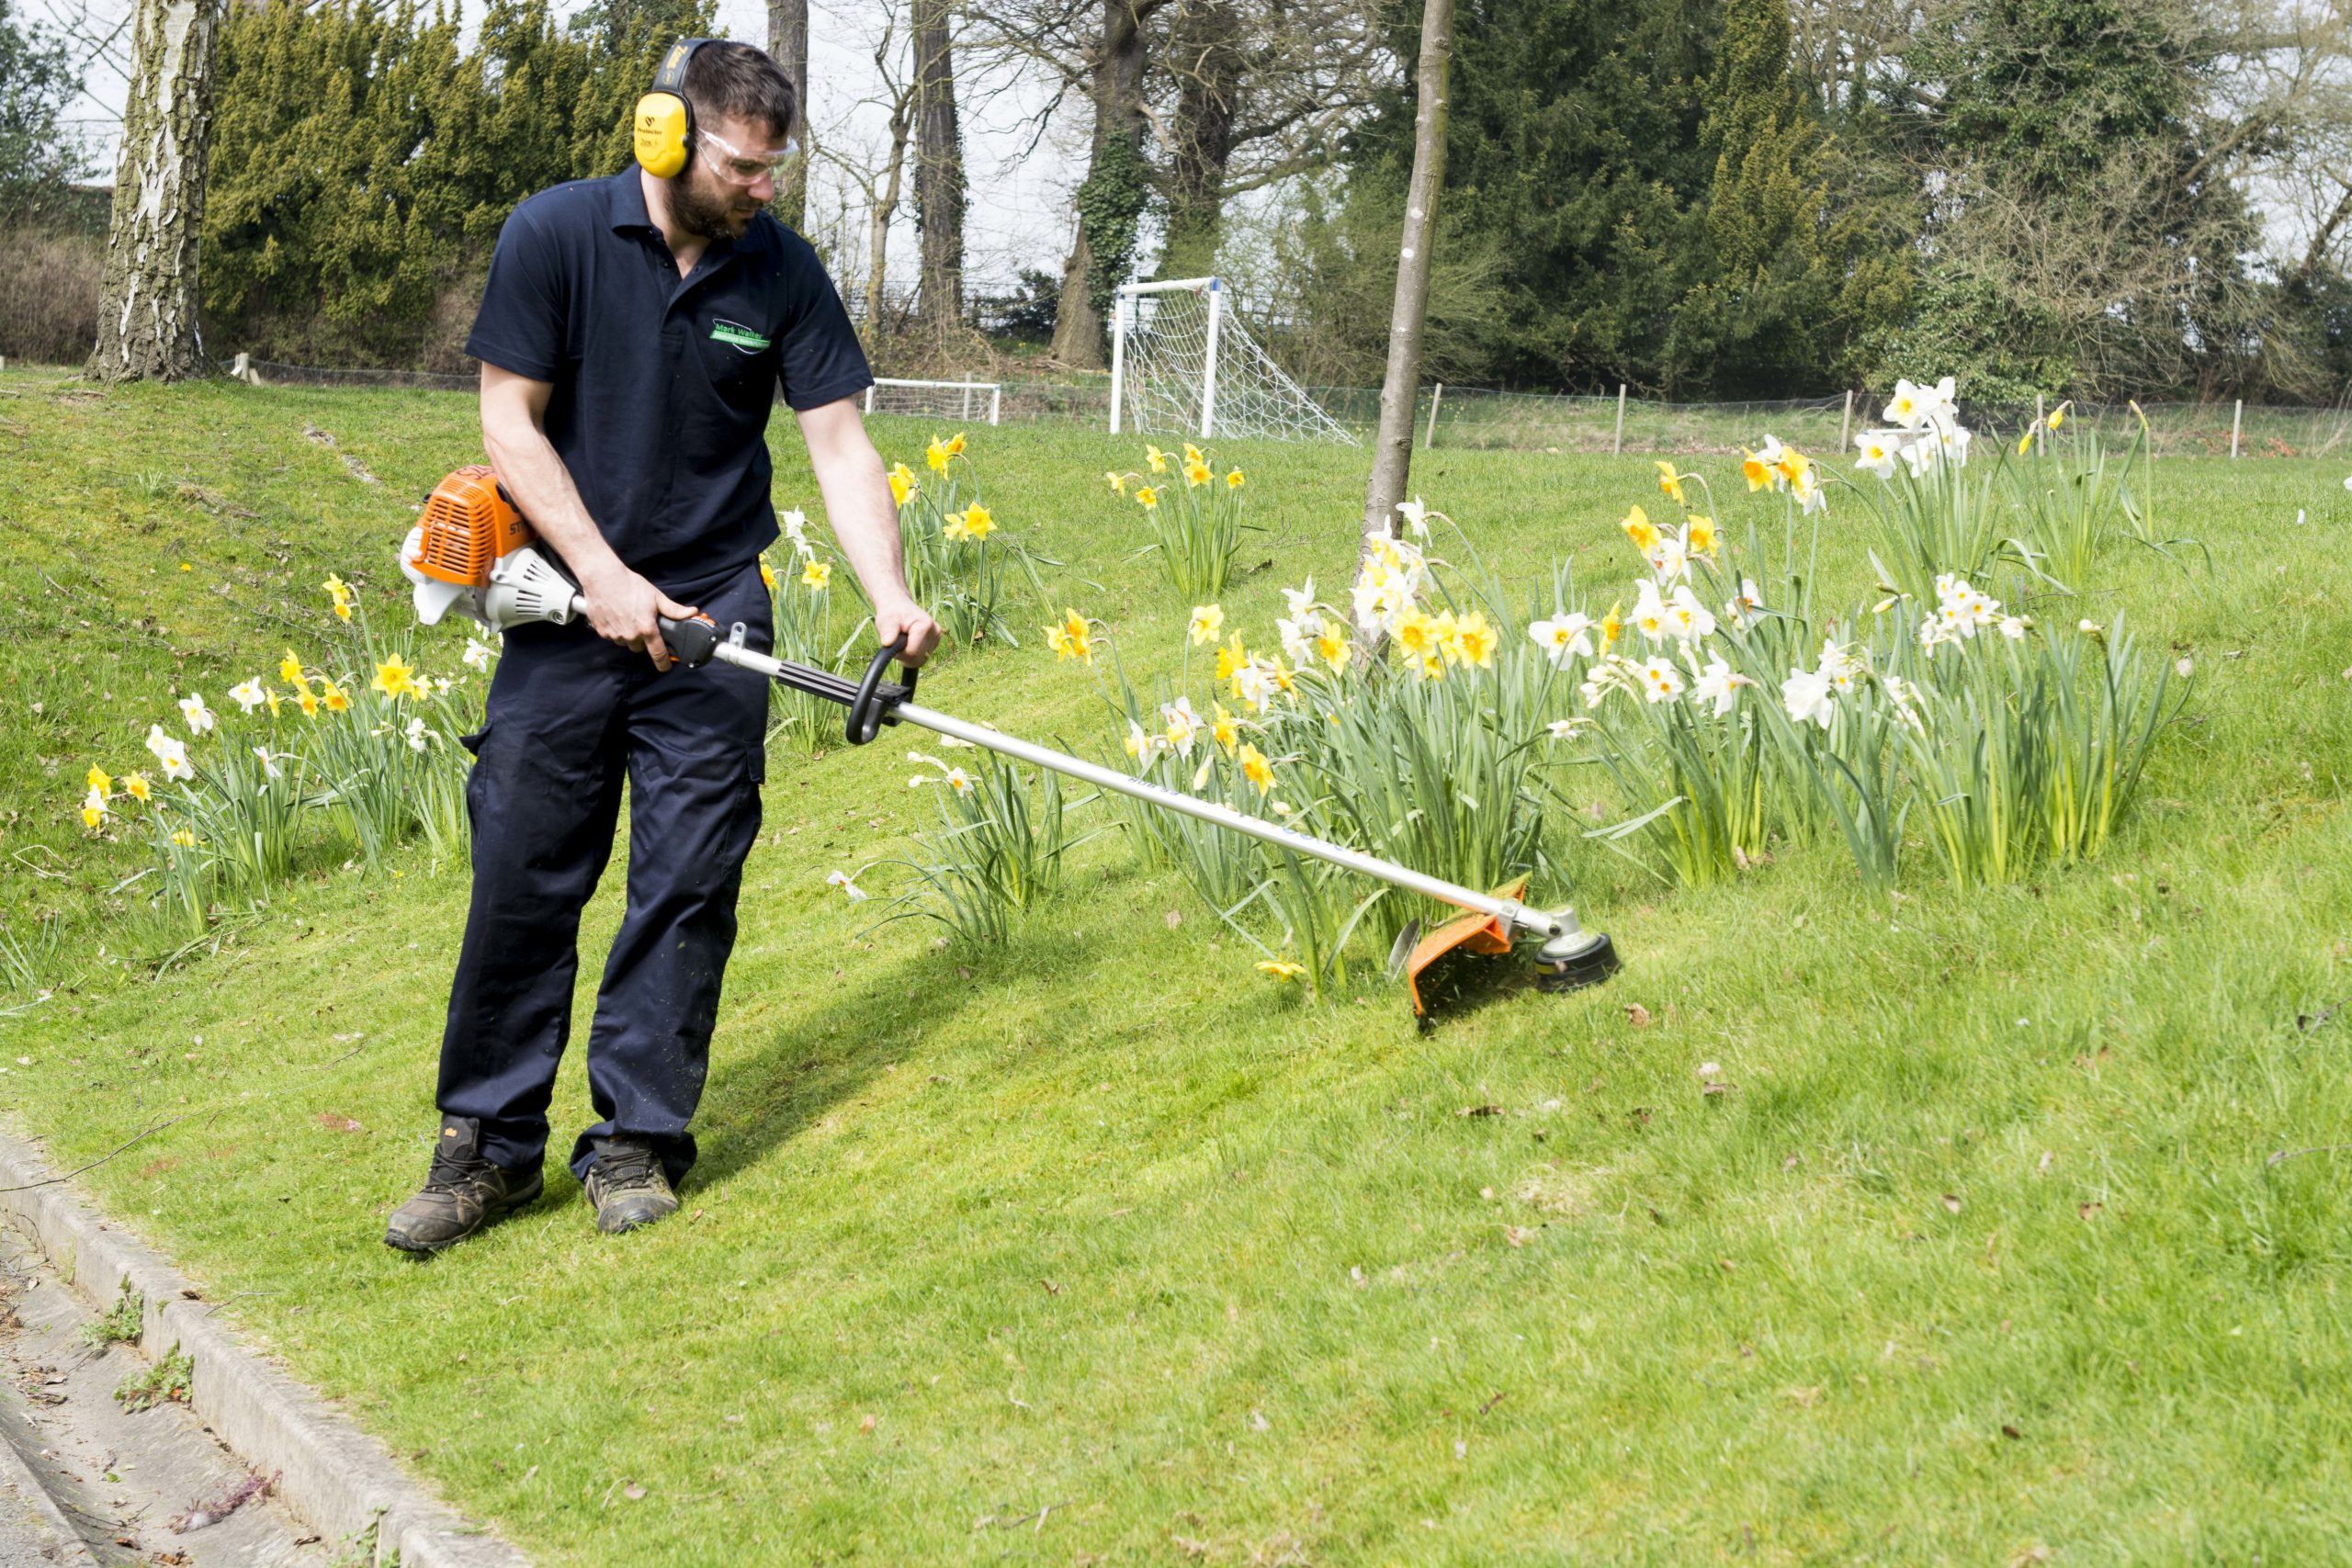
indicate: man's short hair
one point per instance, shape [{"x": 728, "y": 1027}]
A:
[{"x": 735, "y": 79}]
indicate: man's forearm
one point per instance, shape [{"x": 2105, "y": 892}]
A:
[{"x": 857, "y": 502}]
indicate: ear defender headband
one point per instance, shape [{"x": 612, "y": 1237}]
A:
[{"x": 663, "y": 129}]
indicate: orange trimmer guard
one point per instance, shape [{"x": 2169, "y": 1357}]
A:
[{"x": 1486, "y": 935}]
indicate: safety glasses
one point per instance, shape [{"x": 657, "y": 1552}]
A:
[{"x": 746, "y": 168}]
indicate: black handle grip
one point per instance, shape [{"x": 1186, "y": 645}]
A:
[
  {"x": 874, "y": 701},
  {"x": 692, "y": 641}
]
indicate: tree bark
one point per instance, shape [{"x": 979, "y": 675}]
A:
[
  {"x": 886, "y": 207},
  {"x": 1117, "y": 91},
  {"x": 147, "y": 301},
  {"x": 1392, "y": 454},
  {"x": 1203, "y": 55},
  {"x": 788, "y": 46},
  {"x": 939, "y": 170}
]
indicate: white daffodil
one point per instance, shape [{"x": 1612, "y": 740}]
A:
[
  {"x": 1649, "y": 613},
  {"x": 1255, "y": 685},
  {"x": 840, "y": 879},
  {"x": 1878, "y": 451},
  {"x": 1951, "y": 441},
  {"x": 199, "y": 718},
  {"x": 476, "y": 654},
  {"x": 248, "y": 696},
  {"x": 2013, "y": 627},
  {"x": 1183, "y": 725},
  {"x": 1907, "y": 408},
  {"x": 1772, "y": 452},
  {"x": 1719, "y": 683},
  {"x": 269, "y": 767},
  {"x": 1142, "y": 744},
  {"x": 1563, "y": 637},
  {"x": 1806, "y": 487},
  {"x": 1742, "y": 606},
  {"x": 1298, "y": 637},
  {"x": 418, "y": 735},
  {"x": 1381, "y": 596},
  {"x": 1940, "y": 403},
  {"x": 1661, "y": 681},
  {"x": 94, "y": 805},
  {"x": 1670, "y": 558},
  {"x": 1301, "y": 600},
  {"x": 171, "y": 754},
  {"x": 795, "y": 523},
  {"x": 956, "y": 779},
  {"x": 1568, "y": 729},
  {"x": 1416, "y": 516},
  {"x": 1687, "y": 618},
  {"x": 1807, "y": 695}
]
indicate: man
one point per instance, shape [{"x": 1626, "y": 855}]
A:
[{"x": 633, "y": 333}]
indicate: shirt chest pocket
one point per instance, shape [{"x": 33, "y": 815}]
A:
[{"x": 740, "y": 356}]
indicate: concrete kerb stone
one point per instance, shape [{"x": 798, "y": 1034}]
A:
[{"x": 337, "y": 1477}]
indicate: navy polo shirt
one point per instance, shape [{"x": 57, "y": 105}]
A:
[{"x": 663, "y": 384}]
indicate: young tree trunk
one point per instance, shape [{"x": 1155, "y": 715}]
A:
[
  {"x": 1392, "y": 454},
  {"x": 1112, "y": 196},
  {"x": 788, "y": 45},
  {"x": 886, "y": 207},
  {"x": 939, "y": 170},
  {"x": 147, "y": 300},
  {"x": 1202, "y": 56}
]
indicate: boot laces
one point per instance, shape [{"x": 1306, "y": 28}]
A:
[{"x": 627, "y": 1166}]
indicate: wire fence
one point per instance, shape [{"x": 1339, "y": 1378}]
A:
[{"x": 1466, "y": 418}]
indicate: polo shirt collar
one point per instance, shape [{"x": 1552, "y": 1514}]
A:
[{"x": 625, "y": 202}]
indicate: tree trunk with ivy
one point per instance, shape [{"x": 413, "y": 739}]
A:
[
  {"x": 1392, "y": 453},
  {"x": 147, "y": 301},
  {"x": 788, "y": 46},
  {"x": 1112, "y": 197},
  {"x": 939, "y": 172}
]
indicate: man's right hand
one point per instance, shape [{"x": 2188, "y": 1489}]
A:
[{"x": 624, "y": 607}]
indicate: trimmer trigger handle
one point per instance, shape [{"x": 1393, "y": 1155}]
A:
[{"x": 691, "y": 641}]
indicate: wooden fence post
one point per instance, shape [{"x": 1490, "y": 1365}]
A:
[
  {"x": 1437, "y": 395},
  {"x": 1846, "y": 425},
  {"x": 2237, "y": 417},
  {"x": 1618, "y": 449}
]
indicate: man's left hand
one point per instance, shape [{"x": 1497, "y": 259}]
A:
[{"x": 906, "y": 618}]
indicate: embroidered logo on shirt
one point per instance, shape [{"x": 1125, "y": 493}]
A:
[{"x": 740, "y": 335}]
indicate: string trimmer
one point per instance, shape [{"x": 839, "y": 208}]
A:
[{"x": 473, "y": 553}]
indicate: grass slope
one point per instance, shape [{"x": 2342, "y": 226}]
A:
[{"x": 1984, "y": 1255}]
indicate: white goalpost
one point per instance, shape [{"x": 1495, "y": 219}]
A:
[
  {"x": 1183, "y": 364},
  {"x": 888, "y": 394}
]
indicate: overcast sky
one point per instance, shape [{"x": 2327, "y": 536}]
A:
[{"x": 1018, "y": 213}]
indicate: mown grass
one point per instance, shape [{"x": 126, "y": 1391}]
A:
[{"x": 1985, "y": 1252}]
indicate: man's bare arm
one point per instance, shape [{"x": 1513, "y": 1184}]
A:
[
  {"x": 865, "y": 521},
  {"x": 622, "y": 605}
]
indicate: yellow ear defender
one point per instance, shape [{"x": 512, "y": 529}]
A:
[{"x": 664, "y": 128}]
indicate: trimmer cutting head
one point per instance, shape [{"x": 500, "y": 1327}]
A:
[{"x": 1569, "y": 960}]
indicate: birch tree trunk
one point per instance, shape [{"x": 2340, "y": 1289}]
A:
[
  {"x": 1392, "y": 454},
  {"x": 939, "y": 170},
  {"x": 147, "y": 300},
  {"x": 788, "y": 46}
]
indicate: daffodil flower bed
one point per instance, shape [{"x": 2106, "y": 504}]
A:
[
  {"x": 961, "y": 563},
  {"x": 350, "y": 758},
  {"x": 1194, "y": 516}
]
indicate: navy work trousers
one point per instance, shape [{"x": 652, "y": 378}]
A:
[{"x": 571, "y": 714}]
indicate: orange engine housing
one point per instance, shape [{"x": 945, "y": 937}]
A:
[{"x": 468, "y": 525}]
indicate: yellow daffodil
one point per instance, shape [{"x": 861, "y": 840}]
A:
[
  {"x": 1197, "y": 474},
  {"x": 937, "y": 455},
  {"x": 289, "y": 669},
  {"x": 396, "y": 678},
  {"x": 1473, "y": 641},
  {"x": 309, "y": 703},
  {"x": 1611, "y": 624},
  {"x": 1755, "y": 471},
  {"x": 903, "y": 483},
  {"x": 1641, "y": 530},
  {"x": 1208, "y": 620},
  {"x": 1282, "y": 968},
  {"x": 270, "y": 695},
  {"x": 1701, "y": 539},
  {"x": 1433, "y": 666},
  {"x": 1793, "y": 465},
  {"x": 977, "y": 521},
  {"x": 1416, "y": 633},
  {"x": 1146, "y": 497},
  {"x": 2025, "y": 442},
  {"x": 99, "y": 779},
  {"x": 1231, "y": 657},
  {"x": 1225, "y": 731},
  {"x": 1155, "y": 459},
  {"x": 1234, "y": 480},
  {"x": 1117, "y": 480},
  {"x": 1333, "y": 648},
  {"x": 956, "y": 444},
  {"x": 2058, "y": 415},
  {"x": 136, "y": 787},
  {"x": 1193, "y": 453},
  {"x": 767, "y": 575},
  {"x": 332, "y": 694},
  {"x": 94, "y": 809},
  {"x": 340, "y": 591},
  {"x": 817, "y": 575},
  {"x": 184, "y": 839},
  {"x": 1256, "y": 769},
  {"x": 1670, "y": 481},
  {"x": 1072, "y": 639}
]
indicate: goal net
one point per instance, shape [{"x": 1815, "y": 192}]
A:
[
  {"x": 1183, "y": 364},
  {"x": 963, "y": 401}
]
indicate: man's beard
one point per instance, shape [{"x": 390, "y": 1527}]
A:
[{"x": 708, "y": 213}]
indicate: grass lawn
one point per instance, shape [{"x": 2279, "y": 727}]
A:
[{"x": 1102, "y": 1248}]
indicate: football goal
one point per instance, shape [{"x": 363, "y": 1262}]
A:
[
  {"x": 936, "y": 399},
  {"x": 1183, "y": 364}
]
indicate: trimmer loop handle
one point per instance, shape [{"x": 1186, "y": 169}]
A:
[{"x": 871, "y": 707}]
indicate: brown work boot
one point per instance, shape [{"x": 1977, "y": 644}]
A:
[
  {"x": 462, "y": 1192},
  {"x": 627, "y": 1185}
]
